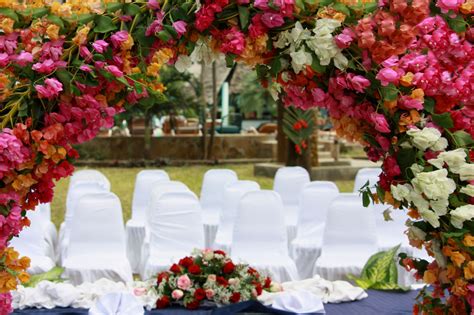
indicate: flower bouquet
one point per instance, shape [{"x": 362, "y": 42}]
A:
[{"x": 212, "y": 276}]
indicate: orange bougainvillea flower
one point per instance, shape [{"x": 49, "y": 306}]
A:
[
  {"x": 407, "y": 79},
  {"x": 469, "y": 270},
  {"x": 23, "y": 181},
  {"x": 430, "y": 276},
  {"x": 408, "y": 119},
  {"x": 460, "y": 287},
  {"x": 452, "y": 271},
  {"x": 457, "y": 258},
  {"x": 468, "y": 240},
  {"x": 413, "y": 213}
]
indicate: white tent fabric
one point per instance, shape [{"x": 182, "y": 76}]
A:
[
  {"x": 33, "y": 243},
  {"x": 349, "y": 238},
  {"x": 75, "y": 194},
  {"x": 289, "y": 182},
  {"x": 135, "y": 227},
  {"x": 370, "y": 174},
  {"x": 97, "y": 243},
  {"x": 232, "y": 195},
  {"x": 259, "y": 237},
  {"x": 117, "y": 303},
  {"x": 212, "y": 195},
  {"x": 175, "y": 229},
  {"x": 314, "y": 203}
]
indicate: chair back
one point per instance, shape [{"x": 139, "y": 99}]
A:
[
  {"x": 370, "y": 174},
  {"x": 212, "y": 191},
  {"x": 289, "y": 182},
  {"x": 144, "y": 183}
]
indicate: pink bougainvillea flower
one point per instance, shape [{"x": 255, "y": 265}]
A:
[
  {"x": 156, "y": 25},
  {"x": 272, "y": 20},
  {"x": 50, "y": 89},
  {"x": 24, "y": 58},
  {"x": 233, "y": 41},
  {"x": 446, "y": 5},
  {"x": 380, "y": 123},
  {"x": 358, "y": 82},
  {"x": 45, "y": 67},
  {"x": 261, "y": 4},
  {"x": 114, "y": 70},
  {"x": 4, "y": 59},
  {"x": 153, "y": 4},
  {"x": 100, "y": 46},
  {"x": 180, "y": 27},
  {"x": 387, "y": 76},
  {"x": 118, "y": 38}
]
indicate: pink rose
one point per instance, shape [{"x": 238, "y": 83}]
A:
[
  {"x": 380, "y": 123},
  {"x": 139, "y": 291},
  {"x": 177, "y": 294},
  {"x": 100, "y": 45},
  {"x": 209, "y": 293},
  {"x": 184, "y": 282},
  {"x": 114, "y": 70},
  {"x": 272, "y": 20},
  {"x": 387, "y": 76},
  {"x": 211, "y": 278},
  {"x": 180, "y": 27}
]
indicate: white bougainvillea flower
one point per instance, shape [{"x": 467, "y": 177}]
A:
[
  {"x": 440, "y": 206},
  {"x": 462, "y": 214},
  {"x": 300, "y": 59},
  {"x": 401, "y": 192},
  {"x": 466, "y": 172},
  {"x": 430, "y": 217},
  {"x": 183, "y": 63},
  {"x": 468, "y": 190},
  {"x": 425, "y": 138},
  {"x": 455, "y": 159},
  {"x": 435, "y": 185}
]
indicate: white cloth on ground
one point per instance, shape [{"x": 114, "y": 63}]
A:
[{"x": 119, "y": 303}]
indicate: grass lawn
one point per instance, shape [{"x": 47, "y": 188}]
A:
[{"x": 123, "y": 180}]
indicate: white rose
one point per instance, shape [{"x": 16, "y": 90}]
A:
[
  {"x": 468, "y": 190},
  {"x": 424, "y": 138},
  {"x": 440, "y": 206},
  {"x": 461, "y": 214},
  {"x": 300, "y": 59},
  {"x": 435, "y": 185},
  {"x": 400, "y": 192},
  {"x": 467, "y": 172},
  {"x": 455, "y": 159},
  {"x": 431, "y": 217}
]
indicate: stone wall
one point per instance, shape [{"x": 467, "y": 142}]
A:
[{"x": 182, "y": 147}]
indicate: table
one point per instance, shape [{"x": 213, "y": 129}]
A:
[{"x": 377, "y": 303}]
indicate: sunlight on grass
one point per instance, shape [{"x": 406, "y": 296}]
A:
[{"x": 123, "y": 180}]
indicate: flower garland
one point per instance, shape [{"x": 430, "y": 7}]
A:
[
  {"x": 395, "y": 75},
  {"x": 209, "y": 275}
]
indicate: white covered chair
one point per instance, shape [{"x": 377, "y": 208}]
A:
[
  {"x": 76, "y": 193},
  {"x": 89, "y": 176},
  {"x": 349, "y": 238},
  {"x": 232, "y": 195},
  {"x": 136, "y": 229},
  {"x": 32, "y": 243},
  {"x": 315, "y": 200},
  {"x": 289, "y": 182},
  {"x": 260, "y": 238},
  {"x": 212, "y": 195},
  {"x": 370, "y": 174},
  {"x": 97, "y": 244},
  {"x": 50, "y": 233},
  {"x": 175, "y": 230}
]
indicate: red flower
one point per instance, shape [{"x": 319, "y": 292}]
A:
[
  {"x": 199, "y": 294},
  {"x": 194, "y": 269},
  {"x": 229, "y": 267},
  {"x": 162, "y": 276},
  {"x": 258, "y": 288},
  {"x": 268, "y": 283},
  {"x": 163, "y": 302},
  {"x": 235, "y": 298},
  {"x": 253, "y": 272},
  {"x": 175, "y": 268},
  {"x": 222, "y": 281},
  {"x": 219, "y": 252},
  {"x": 297, "y": 126},
  {"x": 193, "y": 305},
  {"x": 186, "y": 262}
]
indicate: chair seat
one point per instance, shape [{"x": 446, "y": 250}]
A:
[
  {"x": 134, "y": 235},
  {"x": 280, "y": 267}
]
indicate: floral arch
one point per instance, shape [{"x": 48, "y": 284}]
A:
[{"x": 395, "y": 75}]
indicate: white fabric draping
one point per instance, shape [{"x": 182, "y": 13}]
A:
[
  {"x": 135, "y": 227},
  {"x": 315, "y": 200},
  {"x": 370, "y": 174},
  {"x": 232, "y": 195},
  {"x": 212, "y": 195},
  {"x": 33, "y": 243},
  {"x": 75, "y": 193},
  {"x": 117, "y": 303},
  {"x": 97, "y": 242},
  {"x": 259, "y": 237},
  {"x": 175, "y": 229},
  {"x": 289, "y": 182},
  {"x": 349, "y": 238}
]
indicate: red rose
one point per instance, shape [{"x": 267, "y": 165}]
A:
[
  {"x": 229, "y": 267},
  {"x": 219, "y": 252},
  {"x": 186, "y": 262},
  {"x": 163, "y": 302},
  {"x": 200, "y": 294},
  {"x": 175, "y": 268},
  {"x": 222, "y": 281},
  {"x": 235, "y": 298},
  {"x": 193, "y": 305},
  {"x": 162, "y": 276},
  {"x": 258, "y": 288},
  {"x": 268, "y": 283},
  {"x": 253, "y": 272},
  {"x": 194, "y": 269}
]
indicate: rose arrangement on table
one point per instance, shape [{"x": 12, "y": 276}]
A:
[{"x": 212, "y": 276}]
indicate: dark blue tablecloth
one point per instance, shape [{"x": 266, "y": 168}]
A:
[{"x": 378, "y": 303}]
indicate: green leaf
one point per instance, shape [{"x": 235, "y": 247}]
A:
[
  {"x": 324, "y": 3},
  {"x": 104, "y": 24},
  {"x": 9, "y": 13},
  {"x": 170, "y": 29},
  {"x": 457, "y": 23},
  {"x": 244, "y": 14},
  {"x": 56, "y": 20},
  {"x": 53, "y": 275},
  {"x": 365, "y": 199},
  {"x": 406, "y": 157},
  {"x": 389, "y": 92},
  {"x": 65, "y": 77},
  {"x": 463, "y": 139},
  {"x": 443, "y": 120},
  {"x": 34, "y": 12},
  {"x": 429, "y": 105},
  {"x": 275, "y": 67},
  {"x": 164, "y": 35},
  {"x": 371, "y": 7},
  {"x": 342, "y": 8},
  {"x": 131, "y": 9},
  {"x": 85, "y": 18},
  {"x": 113, "y": 7},
  {"x": 229, "y": 60},
  {"x": 316, "y": 65},
  {"x": 380, "y": 270}
]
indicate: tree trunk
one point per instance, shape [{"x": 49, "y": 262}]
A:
[
  {"x": 203, "y": 112},
  {"x": 210, "y": 149}
]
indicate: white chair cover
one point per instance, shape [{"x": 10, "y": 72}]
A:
[
  {"x": 50, "y": 233},
  {"x": 212, "y": 195},
  {"x": 259, "y": 237},
  {"x": 175, "y": 225},
  {"x": 349, "y": 238},
  {"x": 32, "y": 243},
  {"x": 370, "y": 174},
  {"x": 136, "y": 229},
  {"x": 117, "y": 303},
  {"x": 75, "y": 194},
  {"x": 97, "y": 244},
  {"x": 89, "y": 176},
  {"x": 315, "y": 200},
  {"x": 289, "y": 182},
  {"x": 232, "y": 195}
]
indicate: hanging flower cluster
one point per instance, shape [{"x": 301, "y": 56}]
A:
[{"x": 395, "y": 75}]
